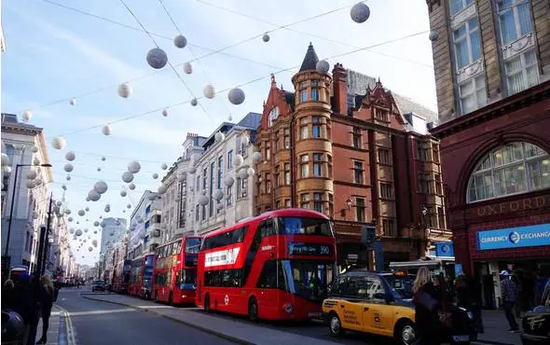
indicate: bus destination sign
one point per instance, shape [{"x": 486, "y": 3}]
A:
[{"x": 308, "y": 249}]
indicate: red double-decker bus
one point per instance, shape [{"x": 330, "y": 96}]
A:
[
  {"x": 141, "y": 276},
  {"x": 176, "y": 271},
  {"x": 121, "y": 276},
  {"x": 274, "y": 266}
]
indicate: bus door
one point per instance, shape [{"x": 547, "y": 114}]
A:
[{"x": 270, "y": 285}]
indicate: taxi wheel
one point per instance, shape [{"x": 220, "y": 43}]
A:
[
  {"x": 405, "y": 333},
  {"x": 334, "y": 325}
]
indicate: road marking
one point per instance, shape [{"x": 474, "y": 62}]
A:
[
  {"x": 69, "y": 325},
  {"x": 99, "y": 312}
]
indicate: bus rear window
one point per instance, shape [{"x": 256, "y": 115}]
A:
[{"x": 304, "y": 226}]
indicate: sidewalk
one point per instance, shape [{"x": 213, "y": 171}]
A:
[
  {"x": 55, "y": 329},
  {"x": 239, "y": 332},
  {"x": 495, "y": 325}
]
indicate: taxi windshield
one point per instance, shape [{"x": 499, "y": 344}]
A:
[{"x": 402, "y": 286}]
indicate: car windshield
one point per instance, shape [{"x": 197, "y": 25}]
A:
[
  {"x": 308, "y": 279},
  {"x": 304, "y": 226},
  {"x": 402, "y": 286}
]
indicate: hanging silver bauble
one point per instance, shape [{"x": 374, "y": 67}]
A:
[
  {"x": 81, "y": 213},
  {"x": 194, "y": 102},
  {"x": 67, "y": 211},
  {"x": 180, "y": 41},
  {"x": 152, "y": 196},
  {"x": 5, "y": 160},
  {"x": 93, "y": 195},
  {"x": 90, "y": 249},
  {"x": 322, "y": 66},
  {"x": 256, "y": 157},
  {"x": 101, "y": 187},
  {"x": 266, "y": 37},
  {"x": 70, "y": 156},
  {"x": 250, "y": 172},
  {"x": 360, "y": 12},
  {"x": 26, "y": 116},
  {"x": 218, "y": 195},
  {"x": 68, "y": 167},
  {"x": 181, "y": 177},
  {"x": 37, "y": 182},
  {"x": 209, "y": 91},
  {"x": 64, "y": 187},
  {"x": 131, "y": 186},
  {"x": 31, "y": 175},
  {"x": 96, "y": 223},
  {"x": 106, "y": 130},
  {"x": 157, "y": 58},
  {"x": 30, "y": 184},
  {"x": 134, "y": 167},
  {"x": 192, "y": 170},
  {"x": 123, "y": 193},
  {"x": 34, "y": 149},
  {"x": 128, "y": 206},
  {"x": 125, "y": 90},
  {"x": 78, "y": 232},
  {"x": 59, "y": 143},
  {"x": 71, "y": 231},
  {"x": 219, "y": 137},
  {"x": 127, "y": 177},
  {"x": 228, "y": 181},
  {"x": 103, "y": 159},
  {"x": 155, "y": 176},
  {"x": 72, "y": 101},
  {"x": 36, "y": 161},
  {"x": 203, "y": 200},
  {"x": 162, "y": 189},
  {"x": 165, "y": 112},
  {"x": 238, "y": 160},
  {"x": 187, "y": 68},
  {"x": 68, "y": 178},
  {"x": 164, "y": 166},
  {"x": 433, "y": 36},
  {"x": 98, "y": 169},
  {"x": 243, "y": 174},
  {"x": 236, "y": 96}
]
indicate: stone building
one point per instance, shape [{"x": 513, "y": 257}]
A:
[
  {"x": 342, "y": 144},
  {"x": 492, "y": 66}
]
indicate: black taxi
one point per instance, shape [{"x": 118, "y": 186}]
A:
[{"x": 381, "y": 304}]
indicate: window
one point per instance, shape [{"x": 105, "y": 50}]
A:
[
  {"x": 303, "y": 129},
  {"x": 438, "y": 185},
  {"x": 211, "y": 208},
  {"x": 267, "y": 153},
  {"x": 315, "y": 93},
  {"x": 287, "y": 174},
  {"x": 382, "y": 115},
  {"x": 515, "y": 19},
  {"x": 435, "y": 153},
  {"x": 203, "y": 212},
  {"x": 317, "y": 164},
  {"x": 277, "y": 142},
  {"x": 356, "y": 137},
  {"x": 358, "y": 172},
  {"x": 467, "y": 43},
  {"x": 204, "y": 178},
  {"x": 318, "y": 202},
  {"x": 225, "y": 239},
  {"x": 458, "y": 5},
  {"x": 422, "y": 152},
  {"x": 511, "y": 169},
  {"x": 267, "y": 183},
  {"x": 304, "y": 226},
  {"x": 273, "y": 115},
  {"x": 224, "y": 278},
  {"x": 286, "y": 141},
  {"x": 230, "y": 160},
  {"x": 277, "y": 176},
  {"x": 28, "y": 241},
  {"x": 220, "y": 172},
  {"x": 303, "y": 95},
  {"x": 242, "y": 188},
  {"x": 386, "y": 190},
  {"x": 360, "y": 209},
  {"x": 267, "y": 228},
  {"x": 429, "y": 219},
  {"x": 278, "y": 204},
  {"x": 198, "y": 183},
  {"x": 287, "y": 203},
  {"x": 304, "y": 201},
  {"x": 329, "y": 165},
  {"x": 383, "y": 156},
  {"x": 472, "y": 94},
  {"x": 228, "y": 196},
  {"x": 316, "y": 130},
  {"x": 522, "y": 72},
  {"x": 424, "y": 182},
  {"x": 440, "y": 218},
  {"x": 387, "y": 227},
  {"x": 197, "y": 212},
  {"x": 304, "y": 166},
  {"x": 272, "y": 276}
]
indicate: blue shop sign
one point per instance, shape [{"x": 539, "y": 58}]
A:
[
  {"x": 526, "y": 236},
  {"x": 444, "y": 249}
]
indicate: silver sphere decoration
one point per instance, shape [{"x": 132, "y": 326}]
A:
[
  {"x": 194, "y": 102},
  {"x": 164, "y": 166},
  {"x": 203, "y": 200},
  {"x": 81, "y": 213},
  {"x": 152, "y": 196},
  {"x": 70, "y": 219},
  {"x": 256, "y": 157},
  {"x": 192, "y": 170},
  {"x": 67, "y": 211},
  {"x": 131, "y": 186},
  {"x": 30, "y": 184},
  {"x": 181, "y": 177},
  {"x": 59, "y": 143},
  {"x": 36, "y": 161},
  {"x": 134, "y": 167},
  {"x": 72, "y": 101},
  {"x": 106, "y": 130},
  {"x": 31, "y": 175},
  {"x": 96, "y": 223},
  {"x": 59, "y": 203},
  {"x": 70, "y": 156},
  {"x": 99, "y": 169},
  {"x": 68, "y": 178},
  {"x": 123, "y": 193},
  {"x": 209, "y": 91},
  {"x": 238, "y": 160},
  {"x": 37, "y": 182},
  {"x": 243, "y": 174},
  {"x": 26, "y": 116},
  {"x": 180, "y": 41},
  {"x": 68, "y": 167},
  {"x": 103, "y": 159},
  {"x": 360, "y": 12},
  {"x": 5, "y": 160},
  {"x": 93, "y": 195},
  {"x": 101, "y": 187},
  {"x": 322, "y": 66},
  {"x": 266, "y": 37},
  {"x": 78, "y": 232},
  {"x": 165, "y": 112},
  {"x": 34, "y": 149},
  {"x": 434, "y": 36},
  {"x": 125, "y": 90},
  {"x": 155, "y": 176},
  {"x": 162, "y": 189},
  {"x": 90, "y": 249},
  {"x": 187, "y": 68},
  {"x": 127, "y": 177},
  {"x": 228, "y": 181},
  {"x": 236, "y": 96},
  {"x": 219, "y": 137},
  {"x": 64, "y": 187},
  {"x": 250, "y": 172},
  {"x": 157, "y": 58},
  {"x": 129, "y": 206},
  {"x": 71, "y": 231},
  {"x": 218, "y": 195}
]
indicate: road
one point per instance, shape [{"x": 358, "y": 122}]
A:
[{"x": 96, "y": 322}]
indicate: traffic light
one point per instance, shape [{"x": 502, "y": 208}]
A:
[{"x": 368, "y": 235}]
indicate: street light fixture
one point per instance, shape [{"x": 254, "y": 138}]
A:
[{"x": 13, "y": 200}]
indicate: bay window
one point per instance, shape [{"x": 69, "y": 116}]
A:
[{"x": 304, "y": 166}]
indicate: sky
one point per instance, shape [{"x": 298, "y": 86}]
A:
[{"x": 55, "y": 53}]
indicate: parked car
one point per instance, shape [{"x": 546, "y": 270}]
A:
[
  {"x": 381, "y": 304},
  {"x": 536, "y": 323},
  {"x": 98, "y": 285}
]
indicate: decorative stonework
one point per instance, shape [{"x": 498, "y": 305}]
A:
[
  {"x": 470, "y": 71},
  {"x": 431, "y": 4},
  {"x": 521, "y": 44},
  {"x": 463, "y": 16}
]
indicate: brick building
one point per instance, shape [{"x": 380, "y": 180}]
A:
[
  {"x": 492, "y": 66},
  {"x": 353, "y": 157}
]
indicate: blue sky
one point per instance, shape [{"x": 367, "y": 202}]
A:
[{"x": 54, "y": 54}]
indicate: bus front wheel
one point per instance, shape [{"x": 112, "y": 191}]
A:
[
  {"x": 253, "y": 309},
  {"x": 207, "y": 303}
]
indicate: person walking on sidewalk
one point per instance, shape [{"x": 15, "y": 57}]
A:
[
  {"x": 509, "y": 292},
  {"x": 46, "y": 296},
  {"x": 426, "y": 301}
]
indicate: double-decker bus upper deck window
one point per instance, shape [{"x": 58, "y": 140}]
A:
[
  {"x": 225, "y": 239},
  {"x": 267, "y": 228},
  {"x": 304, "y": 226},
  {"x": 192, "y": 245}
]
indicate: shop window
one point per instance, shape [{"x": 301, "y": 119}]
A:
[{"x": 514, "y": 168}]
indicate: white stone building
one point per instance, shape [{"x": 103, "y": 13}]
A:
[
  {"x": 113, "y": 232},
  {"x": 142, "y": 239},
  {"x": 26, "y": 147}
]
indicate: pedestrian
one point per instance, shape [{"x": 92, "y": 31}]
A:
[
  {"x": 7, "y": 294},
  {"x": 46, "y": 302},
  {"x": 509, "y": 292},
  {"x": 463, "y": 293},
  {"x": 426, "y": 301},
  {"x": 23, "y": 303}
]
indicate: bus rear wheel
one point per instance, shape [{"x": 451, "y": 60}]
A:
[
  {"x": 207, "y": 303},
  {"x": 253, "y": 309}
]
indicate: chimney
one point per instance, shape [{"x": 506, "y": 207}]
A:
[{"x": 340, "y": 88}]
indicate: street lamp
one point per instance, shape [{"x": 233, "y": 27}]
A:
[{"x": 13, "y": 200}]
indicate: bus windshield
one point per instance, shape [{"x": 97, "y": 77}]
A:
[
  {"x": 402, "y": 287},
  {"x": 308, "y": 279},
  {"x": 304, "y": 226},
  {"x": 192, "y": 245}
]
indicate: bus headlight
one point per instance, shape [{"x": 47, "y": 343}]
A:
[{"x": 288, "y": 308}]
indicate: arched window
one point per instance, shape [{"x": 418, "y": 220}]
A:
[{"x": 510, "y": 169}]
